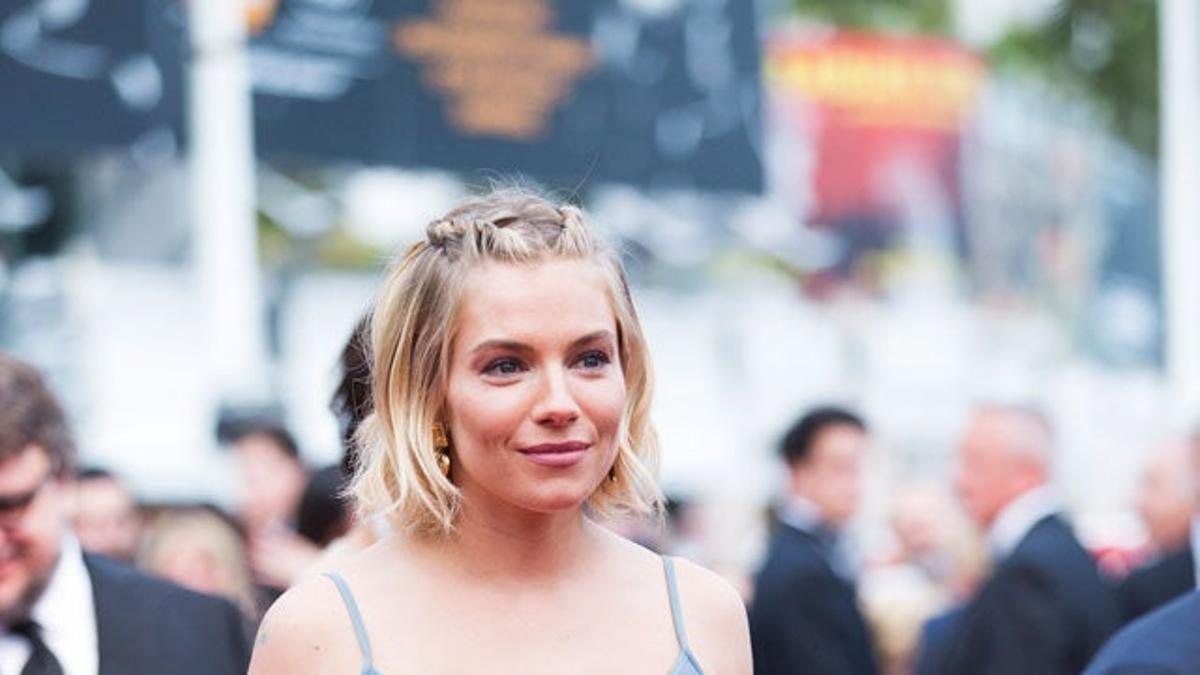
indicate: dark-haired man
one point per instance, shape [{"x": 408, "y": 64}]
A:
[
  {"x": 64, "y": 612},
  {"x": 106, "y": 518},
  {"x": 805, "y": 616},
  {"x": 272, "y": 474},
  {"x": 273, "y": 478}
]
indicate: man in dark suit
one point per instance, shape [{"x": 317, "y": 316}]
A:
[
  {"x": 934, "y": 642},
  {"x": 1158, "y": 582},
  {"x": 1044, "y": 610},
  {"x": 1164, "y": 642},
  {"x": 66, "y": 612},
  {"x": 1166, "y": 503},
  {"x": 805, "y": 618}
]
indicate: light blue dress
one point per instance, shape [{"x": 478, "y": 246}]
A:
[{"x": 686, "y": 664}]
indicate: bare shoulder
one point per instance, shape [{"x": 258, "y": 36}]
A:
[
  {"x": 307, "y": 630},
  {"x": 715, "y": 619}
]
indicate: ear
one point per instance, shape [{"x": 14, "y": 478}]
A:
[{"x": 797, "y": 473}]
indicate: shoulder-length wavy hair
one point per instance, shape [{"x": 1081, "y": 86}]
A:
[{"x": 413, "y": 326}]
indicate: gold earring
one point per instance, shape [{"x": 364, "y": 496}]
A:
[{"x": 441, "y": 445}]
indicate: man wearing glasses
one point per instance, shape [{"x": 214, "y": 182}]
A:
[{"x": 66, "y": 613}]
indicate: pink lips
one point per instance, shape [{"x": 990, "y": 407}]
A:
[{"x": 556, "y": 454}]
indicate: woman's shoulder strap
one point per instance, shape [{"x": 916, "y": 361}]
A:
[
  {"x": 360, "y": 630},
  {"x": 676, "y": 607}
]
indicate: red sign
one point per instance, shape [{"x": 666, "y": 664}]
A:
[{"x": 874, "y": 108}]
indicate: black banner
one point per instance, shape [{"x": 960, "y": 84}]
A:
[
  {"x": 569, "y": 91},
  {"x": 658, "y": 93},
  {"x": 81, "y": 74}
]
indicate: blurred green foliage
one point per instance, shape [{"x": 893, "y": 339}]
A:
[
  {"x": 1105, "y": 51},
  {"x": 906, "y": 16}
]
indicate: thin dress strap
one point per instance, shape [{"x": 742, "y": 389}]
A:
[
  {"x": 676, "y": 610},
  {"x": 360, "y": 631}
]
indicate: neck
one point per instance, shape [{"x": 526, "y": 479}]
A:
[{"x": 507, "y": 543}]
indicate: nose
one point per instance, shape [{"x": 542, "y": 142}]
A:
[{"x": 556, "y": 405}]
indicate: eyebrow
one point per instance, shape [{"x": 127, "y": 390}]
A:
[{"x": 513, "y": 345}]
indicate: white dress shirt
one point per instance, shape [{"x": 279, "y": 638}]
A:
[
  {"x": 66, "y": 612},
  {"x": 1017, "y": 518},
  {"x": 800, "y": 513}
]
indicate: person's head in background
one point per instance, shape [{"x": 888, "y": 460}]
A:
[
  {"x": 922, "y": 516},
  {"x": 934, "y": 535},
  {"x": 824, "y": 451},
  {"x": 351, "y": 400},
  {"x": 106, "y": 518},
  {"x": 199, "y": 548},
  {"x": 37, "y": 458},
  {"x": 324, "y": 515},
  {"x": 1005, "y": 454},
  {"x": 1166, "y": 496},
  {"x": 272, "y": 474}
]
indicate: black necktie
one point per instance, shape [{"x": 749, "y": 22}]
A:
[{"x": 41, "y": 659}]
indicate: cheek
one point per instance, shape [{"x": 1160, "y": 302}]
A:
[
  {"x": 46, "y": 518},
  {"x": 479, "y": 415},
  {"x": 604, "y": 403}
]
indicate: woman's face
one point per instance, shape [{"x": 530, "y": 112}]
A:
[{"x": 535, "y": 392}]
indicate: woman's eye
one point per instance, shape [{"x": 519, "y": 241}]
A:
[
  {"x": 503, "y": 367},
  {"x": 594, "y": 360}
]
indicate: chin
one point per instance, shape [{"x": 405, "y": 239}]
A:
[
  {"x": 13, "y": 600},
  {"x": 556, "y": 503},
  {"x": 550, "y": 499}
]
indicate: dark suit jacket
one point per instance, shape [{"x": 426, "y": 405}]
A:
[
  {"x": 937, "y": 637},
  {"x": 1164, "y": 642},
  {"x": 805, "y": 618},
  {"x": 1157, "y": 583},
  {"x": 1044, "y": 610},
  {"x": 147, "y": 625}
]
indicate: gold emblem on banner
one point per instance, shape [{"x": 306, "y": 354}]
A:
[
  {"x": 260, "y": 14},
  {"x": 498, "y": 63}
]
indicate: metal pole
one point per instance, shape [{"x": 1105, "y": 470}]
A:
[
  {"x": 224, "y": 233},
  {"x": 1179, "y": 31}
]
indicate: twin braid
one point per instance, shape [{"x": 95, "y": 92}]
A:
[{"x": 516, "y": 229}]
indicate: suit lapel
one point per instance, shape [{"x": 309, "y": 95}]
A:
[
  {"x": 809, "y": 541},
  {"x": 973, "y": 617},
  {"x": 116, "y": 621},
  {"x": 1190, "y": 566}
]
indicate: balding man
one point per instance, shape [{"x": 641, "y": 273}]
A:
[
  {"x": 1164, "y": 641},
  {"x": 1044, "y": 610},
  {"x": 1165, "y": 502}
]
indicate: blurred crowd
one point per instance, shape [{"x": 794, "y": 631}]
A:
[
  {"x": 985, "y": 575},
  {"x": 286, "y": 515},
  {"x": 986, "y": 569},
  {"x": 819, "y": 604}
]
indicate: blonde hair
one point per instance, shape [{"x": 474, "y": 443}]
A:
[
  {"x": 412, "y": 328},
  {"x": 211, "y": 537}
]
